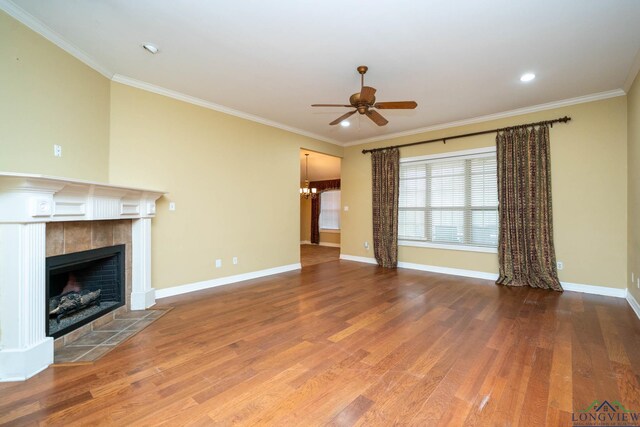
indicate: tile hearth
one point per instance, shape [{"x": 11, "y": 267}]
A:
[{"x": 103, "y": 339}]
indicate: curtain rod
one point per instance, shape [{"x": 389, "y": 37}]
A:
[{"x": 564, "y": 119}]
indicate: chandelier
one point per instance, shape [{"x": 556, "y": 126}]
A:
[{"x": 305, "y": 191}]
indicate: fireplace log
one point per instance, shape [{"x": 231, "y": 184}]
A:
[{"x": 74, "y": 301}]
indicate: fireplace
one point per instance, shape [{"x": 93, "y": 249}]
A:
[
  {"x": 82, "y": 286},
  {"x": 42, "y": 217}
]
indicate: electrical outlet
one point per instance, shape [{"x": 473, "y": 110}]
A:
[
  {"x": 57, "y": 150},
  {"x": 172, "y": 206},
  {"x": 638, "y": 281},
  {"x": 235, "y": 260},
  {"x": 218, "y": 263},
  {"x": 366, "y": 245},
  {"x": 560, "y": 265},
  {"x": 346, "y": 208}
]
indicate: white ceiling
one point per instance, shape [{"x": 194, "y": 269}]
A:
[
  {"x": 272, "y": 59},
  {"x": 321, "y": 166}
]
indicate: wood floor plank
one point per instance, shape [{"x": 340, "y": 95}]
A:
[{"x": 345, "y": 343}]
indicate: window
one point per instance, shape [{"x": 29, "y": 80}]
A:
[
  {"x": 449, "y": 201},
  {"x": 330, "y": 210}
]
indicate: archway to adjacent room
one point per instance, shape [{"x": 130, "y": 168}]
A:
[{"x": 322, "y": 171}]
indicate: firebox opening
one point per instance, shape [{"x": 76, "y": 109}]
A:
[{"x": 83, "y": 286}]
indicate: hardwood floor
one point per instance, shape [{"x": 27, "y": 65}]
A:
[
  {"x": 314, "y": 254},
  {"x": 344, "y": 343}
]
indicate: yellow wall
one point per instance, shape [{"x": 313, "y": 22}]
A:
[
  {"x": 215, "y": 167},
  {"x": 329, "y": 238},
  {"x": 589, "y": 180},
  {"x": 633, "y": 122},
  {"x": 235, "y": 184},
  {"x": 305, "y": 226},
  {"x": 48, "y": 97}
]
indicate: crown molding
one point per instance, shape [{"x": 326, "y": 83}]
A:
[
  {"x": 534, "y": 108},
  {"x": 633, "y": 72},
  {"x": 36, "y": 25},
  {"x": 118, "y": 78}
]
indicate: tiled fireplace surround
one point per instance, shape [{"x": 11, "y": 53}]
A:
[
  {"x": 68, "y": 237},
  {"x": 43, "y": 216}
]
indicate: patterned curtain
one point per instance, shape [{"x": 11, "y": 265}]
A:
[
  {"x": 330, "y": 184},
  {"x": 525, "y": 250},
  {"x": 385, "y": 171}
]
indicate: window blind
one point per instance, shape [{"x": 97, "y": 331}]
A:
[
  {"x": 450, "y": 201},
  {"x": 330, "y": 210}
]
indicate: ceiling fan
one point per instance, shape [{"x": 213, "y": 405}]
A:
[{"x": 364, "y": 102}]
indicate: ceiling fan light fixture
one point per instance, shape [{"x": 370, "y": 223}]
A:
[
  {"x": 150, "y": 48},
  {"x": 345, "y": 124},
  {"x": 527, "y": 77}
]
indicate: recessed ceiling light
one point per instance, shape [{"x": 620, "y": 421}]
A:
[
  {"x": 345, "y": 124},
  {"x": 527, "y": 77},
  {"x": 150, "y": 48}
]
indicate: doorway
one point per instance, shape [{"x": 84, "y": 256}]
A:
[{"x": 320, "y": 211}]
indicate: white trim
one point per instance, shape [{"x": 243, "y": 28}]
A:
[
  {"x": 595, "y": 290},
  {"x": 305, "y": 242},
  {"x": 39, "y": 27},
  {"x": 355, "y": 258},
  {"x": 206, "y": 284},
  {"x": 142, "y": 294},
  {"x": 462, "y": 153},
  {"x": 567, "y": 286},
  {"x": 633, "y": 303},
  {"x": 21, "y": 364},
  {"x": 118, "y": 78},
  {"x": 143, "y": 299},
  {"x": 431, "y": 245},
  {"x": 505, "y": 114},
  {"x": 448, "y": 270}
]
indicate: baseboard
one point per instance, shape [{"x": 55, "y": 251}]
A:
[
  {"x": 143, "y": 300},
  {"x": 595, "y": 290},
  {"x": 448, "y": 270},
  {"x": 567, "y": 286},
  {"x": 358, "y": 259},
  {"x": 331, "y": 245},
  {"x": 634, "y": 304},
  {"x": 206, "y": 284},
  {"x": 21, "y": 364}
]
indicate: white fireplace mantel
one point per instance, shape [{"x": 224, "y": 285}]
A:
[{"x": 29, "y": 201}]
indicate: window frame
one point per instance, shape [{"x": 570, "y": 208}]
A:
[{"x": 447, "y": 246}]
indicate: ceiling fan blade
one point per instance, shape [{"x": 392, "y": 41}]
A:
[
  {"x": 367, "y": 94},
  {"x": 398, "y": 105},
  {"x": 343, "y": 117},
  {"x": 331, "y": 105},
  {"x": 376, "y": 117}
]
